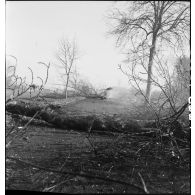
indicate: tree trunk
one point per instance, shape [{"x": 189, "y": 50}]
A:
[
  {"x": 150, "y": 64},
  {"x": 66, "y": 87},
  {"x": 71, "y": 121}
]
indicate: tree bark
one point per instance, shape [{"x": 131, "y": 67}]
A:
[
  {"x": 81, "y": 122},
  {"x": 150, "y": 64},
  {"x": 66, "y": 87}
]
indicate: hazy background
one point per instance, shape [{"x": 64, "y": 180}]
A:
[{"x": 33, "y": 30}]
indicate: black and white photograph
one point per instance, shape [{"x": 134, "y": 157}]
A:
[{"x": 98, "y": 97}]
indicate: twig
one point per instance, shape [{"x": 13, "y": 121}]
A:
[
  {"x": 136, "y": 187},
  {"x": 89, "y": 133},
  {"x": 132, "y": 174},
  {"x": 54, "y": 186},
  {"x": 23, "y": 128},
  {"x": 30, "y": 120},
  {"x": 143, "y": 183}
]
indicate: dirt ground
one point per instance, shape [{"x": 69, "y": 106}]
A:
[{"x": 43, "y": 158}]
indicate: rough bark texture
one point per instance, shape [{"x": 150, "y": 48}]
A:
[{"x": 81, "y": 122}]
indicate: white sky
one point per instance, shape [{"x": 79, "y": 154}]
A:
[{"x": 33, "y": 30}]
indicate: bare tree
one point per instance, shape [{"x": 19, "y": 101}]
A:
[
  {"x": 18, "y": 86},
  {"x": 149, "y": 24},
  {"x": 181, "y": 79},
  {"x": 67, "y": 56},
  {"x": 171, "y": 100},
  {"x": 182, "y": 67}
]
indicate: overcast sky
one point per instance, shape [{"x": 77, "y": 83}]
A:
[{"x": 33, "y": 30}]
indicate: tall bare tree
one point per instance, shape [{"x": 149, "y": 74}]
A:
[
  {"x": 67, "y": 56},
  {"x": 148, "y": 25}
]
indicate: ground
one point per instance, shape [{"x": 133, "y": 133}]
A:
[{"x": 124, "y": 158}]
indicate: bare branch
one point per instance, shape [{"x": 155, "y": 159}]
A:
[
  {"x": 78, "y": 174},
  {"x": 67, "y": 56}
]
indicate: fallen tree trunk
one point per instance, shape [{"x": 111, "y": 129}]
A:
[{"x": 81, "y": 122}]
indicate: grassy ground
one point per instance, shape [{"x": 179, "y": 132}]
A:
[
  {"x": 82, "y": 105},
  {"x": 127, "y": 158}
]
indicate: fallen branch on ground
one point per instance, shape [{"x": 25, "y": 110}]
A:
[
  {"x": 81, "y": 122},
  {"x": 133, "y": 186}
]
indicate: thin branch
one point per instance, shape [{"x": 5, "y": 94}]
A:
[
  {"x": 143, "y": 183},
  {"x": 136, "y": 187}
]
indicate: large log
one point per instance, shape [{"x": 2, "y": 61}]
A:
[{"x": 82, "y": 122}]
